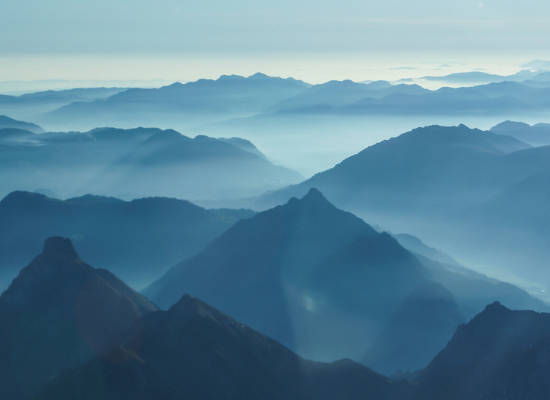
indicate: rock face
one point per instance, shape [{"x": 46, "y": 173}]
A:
[
  {"x": 193, "y": 351},
  {"x": 500, "y": 354},
  {"x": 59, "y": 313}
]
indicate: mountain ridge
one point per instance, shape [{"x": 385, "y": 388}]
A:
[{"x": 53, "y": 317}]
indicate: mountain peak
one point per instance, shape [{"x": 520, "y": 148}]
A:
[
  {"x": 19, "y": 197},
  {"x": 313, "y": 198},
  {"x": 314, "y": 195},
  {"x": 259, "y": 75},
  {"x": 495, "y": 308},
  {"x": 187, "y": 304},
  {"x": 59, "y": 247},
  {"x": 190, "y": 307}
]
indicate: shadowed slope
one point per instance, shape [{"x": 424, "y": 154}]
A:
[{"x": 58, "y": 313}]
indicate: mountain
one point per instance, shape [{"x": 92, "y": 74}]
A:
[
  {"x": 340, "y": 93},
  {"x": 426, "y": 180},
  {"x": 243, "y": 144},
  {"x": 136, "y": 163},
  {"x": 348, "y": 98},
  {"x": 276, "y": 251},
  {"x": 7, "y": 122},
  {"x": 535, "y": 135},
  {"x": 476, "y": 77},
  {"x": 416, "y": 169},
  {"x": 415, "y": 245},
  {"x": 204, "y": 100},
  {"x": 137, "y": 240},
  {"x": 498, "y": 354},
  {"x": 33, "y": 105},
  {"x": 53, "y": 317},
  {"x": 518, "y": 220},
  {"x": 194, "y": 351},
  {"x": 430, "y": 316},
  {"x": 326, "y": 284},
  {"x": 209, "y": 102}
]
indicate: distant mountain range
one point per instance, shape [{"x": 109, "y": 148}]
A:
[
  {"x": 416, "y": 169},
  {"x": 136, "y": 163},
  {"x": 477, "y": 77},
  {"x": 325, "y": 283},
  {"x": 137, "y": 240},
  {"x": 9, "y": 123},
  {"x": 196, "y": 102},
  {"x": 429, "y": 179},
  {"x": 206, "y": 101},
  {"x": 33, "y": 105},
  {"x": 535, "y": 135},
  {"x": 59, "y": 313}
]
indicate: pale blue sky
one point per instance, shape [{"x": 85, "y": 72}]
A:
[
  {"x": 30, "y": 26},
  {"x": 56, "y": 30}
]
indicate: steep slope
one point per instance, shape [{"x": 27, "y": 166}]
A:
[
  {"x": 415, "y": 245},
  {"x": 431, "y": 178},
  {"x": 499, "y": 354},
  {"x": 7, "y": 122},
  {"x": 137, "y": 240},
  {"x": 326, "y": 284},
  {"x": 59, "y": 313},
  {"x": 417, "y": 169},
  {"x": 137, "y": 163},
  {"x": 194, "y": 351},
  {"x": 429, "y": 316},
  {"x": 269, "y": 258}
]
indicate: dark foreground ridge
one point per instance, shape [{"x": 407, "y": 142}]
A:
[
  {"x": 58, "y": 313},
  {"x": 194, "y": 351}
]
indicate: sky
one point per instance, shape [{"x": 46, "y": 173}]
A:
[{"x": 168, "y": 40}]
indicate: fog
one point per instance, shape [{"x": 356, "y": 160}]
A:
[
  {"x": 311, "y": 144},
  {"x": 305, "y": 143}
]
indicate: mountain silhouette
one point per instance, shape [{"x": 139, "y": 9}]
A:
[
  {"x": 326, "y": 284},
  {"x": 208, "y": 101},
  {"x": 498, "y": 354},
  {"x": 7, "y": 122},
  {"x": 334, "y": 94},
  {"x": 204, "y": 100},
  {"x": 426, "y": 180},
  {"x": 32, "y": 106},
  {"x": 415, "y": 169},
  {"x": 194, "y": 351},
  {"x": 59, "y": 313},
  {"x": 138, "y": 163},
  {"x": 477, "y": 77},
  {"x": 137, "y": 240},
  {"x": 535, "y": 135}
]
